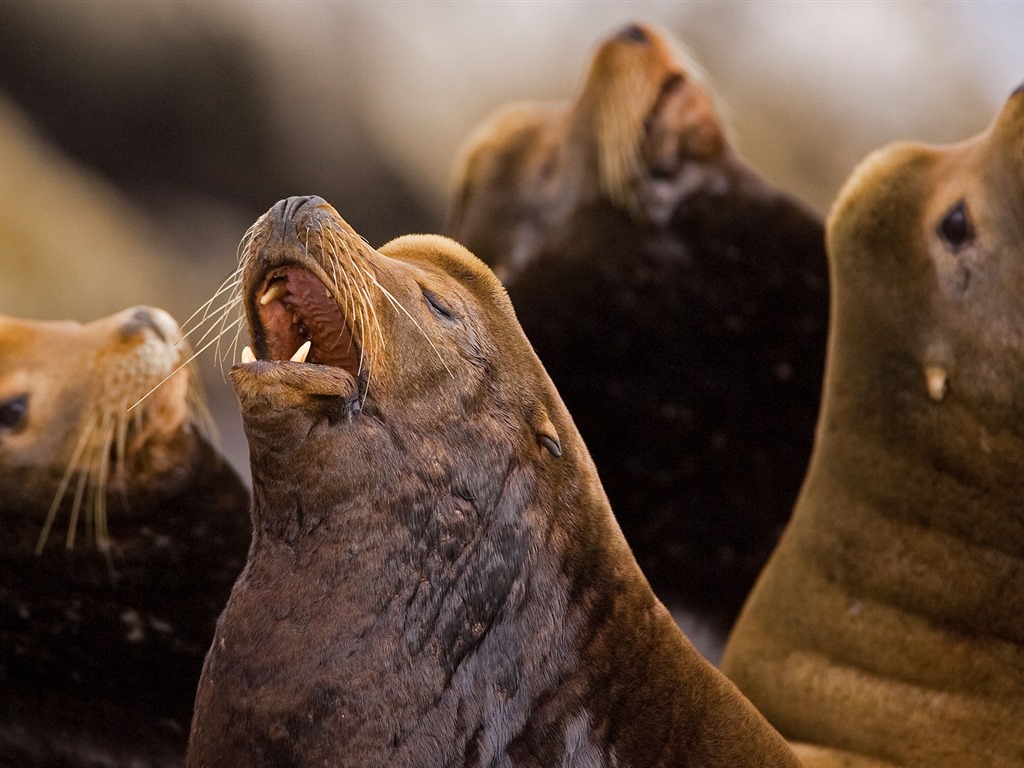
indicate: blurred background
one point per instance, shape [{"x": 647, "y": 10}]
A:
[{"x": 139, "y": 140}]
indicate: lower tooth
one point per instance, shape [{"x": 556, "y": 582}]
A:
[
  {"x": 247, "y": 355},
  {"x": 302, "y": 352}
]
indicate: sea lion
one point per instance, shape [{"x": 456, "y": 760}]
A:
[
  {"x": 889, "y": 623},
  {"x": 678, "y": 301},
  {"x": 121, "y": 536},
  {"x": 436, "y": 577}
]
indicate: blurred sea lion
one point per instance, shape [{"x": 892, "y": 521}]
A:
[
  {"x": 436, "y": 577},
  {"x": 122, "y": 534},
  {"x": 889, "y": 624},
  {"x": 679, "y": 302}
]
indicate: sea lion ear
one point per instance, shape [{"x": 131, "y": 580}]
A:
[{"x": 547, "y": 436}]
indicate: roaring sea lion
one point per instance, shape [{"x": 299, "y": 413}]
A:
[
  {"x": 889, "y": 624},
  {"x": 120, "y": 537},
  {"x": 679, "y": 302},
  {"x": 436, "y": 578}
]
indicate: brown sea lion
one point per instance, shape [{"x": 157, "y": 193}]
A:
[
  {"x": 679, "y": 302},
  {"x": 889, "y": 624},
  {"x": 120, "y": 536},
  {"x": 436, "y": 577}
]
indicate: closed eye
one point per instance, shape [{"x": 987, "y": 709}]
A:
[{"x": 437, "y": 307}]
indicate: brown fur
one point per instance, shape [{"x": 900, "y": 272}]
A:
[
  {"x": 644, "y": 133},
  {"x": 889, "y": 624},
  {"x": 122, "y": 533},
  {"x": 436, "y": 577},
  {"x": 678, "y": 301}
]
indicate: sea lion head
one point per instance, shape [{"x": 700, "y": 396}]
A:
[
  {"x": 895, "y": 587},
  {"x": 382, "y": 369},
  {"x": 927, "y": 255},
  {"x": 67, "y": 436},
  {"x": 650, "y": 113},
  {"x": 643, "y": 134}
]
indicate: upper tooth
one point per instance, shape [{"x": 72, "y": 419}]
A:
[
  {"x": 275, "y": 290},
  {"x": 301, "y": 352},
  {"x": 247, "y": 355}
]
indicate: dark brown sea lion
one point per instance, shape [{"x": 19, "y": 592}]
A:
[
  {"x": 679, "y": 302},
  {"x": 120, "y": 536},
  {"x": 436, "y": 578},
  {"x": 890, "y": 622}
]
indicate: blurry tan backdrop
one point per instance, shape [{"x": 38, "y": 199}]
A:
[{"x": 139, "y": 140}]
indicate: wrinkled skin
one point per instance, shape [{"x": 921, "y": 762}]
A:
[
  {"x": 436, "y": 577},
  {"x": 101, "y": 644},
  {"x": 889, "y": 624},
  {"x": 678, "y": 301}
]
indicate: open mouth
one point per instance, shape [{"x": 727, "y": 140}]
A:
[{"x": 298, "y": 319}]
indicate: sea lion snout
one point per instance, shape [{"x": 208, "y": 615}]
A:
[
  {"x": 292, "y": 208},
  {"x": 291, "y": 384},
  {"x": 634, "y": 33},
  {"x": 305, "y": 291},
  {"x": 138, "y": 319}
]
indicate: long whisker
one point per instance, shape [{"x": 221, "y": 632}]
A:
[
  {"x": 99, "y": 494},
  {"x": 398, "y": 305},
  {"x": 216, "y": 325},
  {"x": 195, "y": 354},
  {"x": 62, "y": 489},
  {"x": 230, "y": 283},
  {"x": 223, "y": 327},
  {"x": 83, "y": 477}
]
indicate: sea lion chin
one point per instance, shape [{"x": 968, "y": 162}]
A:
[
  {"x": 889, "y": 623},
  {"x": 435, "y": 577},
  {"x": 123, "y": 530},
  {"x": 678, "y": 300}
]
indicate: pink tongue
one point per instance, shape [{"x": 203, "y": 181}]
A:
[{"x": 325, "y": 324}]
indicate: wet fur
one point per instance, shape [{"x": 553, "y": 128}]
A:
[
  {"x": 678, "y": 301},
  {"x": 436, "y": 577},
  {"x": 889, "y": 624},
  {"x": 104, "y": 627}
]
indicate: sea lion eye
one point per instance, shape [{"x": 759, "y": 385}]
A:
[
  {"x": 439, "y": 309},
  {"x": 955, "y": 227},
  {"x": 13, "y": 413}
]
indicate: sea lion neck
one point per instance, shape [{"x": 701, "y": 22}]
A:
[{"x": 923, "y": 413}]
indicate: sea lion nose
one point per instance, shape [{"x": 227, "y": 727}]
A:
[
  {"x": 288, "y": 209},
  {"x": 634, "y": 33},
  {"x": 1018, "y": 91},
  {"x": 155, "y": 320}
]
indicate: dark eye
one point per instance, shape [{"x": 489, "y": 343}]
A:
[
  {"x": 955, "y": 227},
  {"x": 439, "y": 309},
  {"x": 13, "y": 413}
]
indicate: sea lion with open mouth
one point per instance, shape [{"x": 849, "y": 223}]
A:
[
  {"x": 436, "y": 577},
  {"x": 122, "y": 533},
  {"x": 889, "y": 624},
  {"x": 679, "y": 302}
]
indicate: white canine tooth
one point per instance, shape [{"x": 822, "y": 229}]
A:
[
  {"x": 275, "y": 290},
  {"x": 301, "y": 352},
  {"x": 937, "y": 379},
  {"x": 247, "y": 355}
]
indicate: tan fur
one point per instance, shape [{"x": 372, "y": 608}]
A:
[
  {"x": 889, "y": 624},
  {"x": 643, "y": 111},
  {"x": 79, "y": 444}
]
